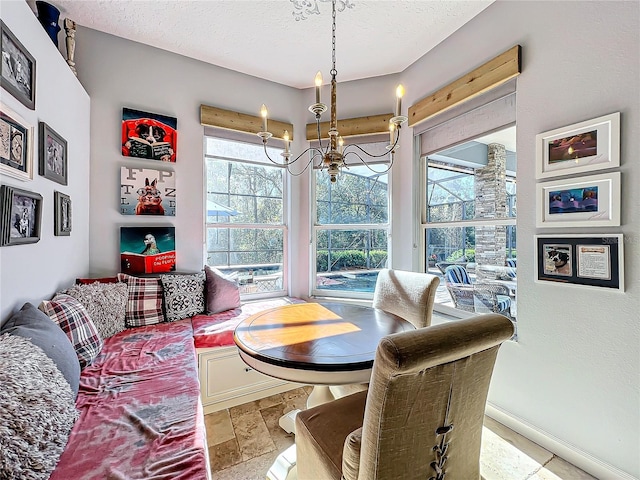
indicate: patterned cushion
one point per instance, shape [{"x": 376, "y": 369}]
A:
[
  {"x": 183, "y": 295},
  {"x": 74, "y": 320},
  {"x": 144, "y": 305},
  {"x": 105, "y": 303}
]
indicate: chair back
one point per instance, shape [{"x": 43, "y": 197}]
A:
[
  {"x": 457, "y": 274},
  {"x": 409, "y": 295},
  {"x": 510, "y": 262},
  {"x": 426, "y": 400}
]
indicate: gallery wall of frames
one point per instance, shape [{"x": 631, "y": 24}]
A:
[
  {"x": 583, "y": 159},
  {"x": 21, "y": 209}
]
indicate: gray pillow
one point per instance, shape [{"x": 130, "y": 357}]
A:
[
  {"x": 37, "y": 410},
  {"x": 222, "y": 293},
  {"x": 36, "y": 326},
  {"x": 105, "y": 303},
  {"x": 183, "y": 295}
]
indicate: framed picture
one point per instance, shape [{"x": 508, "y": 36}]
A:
[
  {"x": 53, "y": 155},
  {"x": 144, "y": 191},
  {"x": 18, "y": 71},
  {"x": 16, "y": 145},
  {"x": 591, "y": 201},
  {"x": 583, "y": 147},
  {"x": 147, "y": 249},
  {"x": 581, "y": 260},
  {"x": 149, "y": 135},
  {"x": 21, "y": 216},
  {"x": 62, "y": 214}
]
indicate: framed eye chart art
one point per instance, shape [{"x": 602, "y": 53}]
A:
[{"x": 581, "y": 260}]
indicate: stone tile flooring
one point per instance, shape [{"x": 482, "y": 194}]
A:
[{"x": 245, "y": 440}]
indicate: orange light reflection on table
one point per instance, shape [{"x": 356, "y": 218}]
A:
[{"x": 288, "y": 326}]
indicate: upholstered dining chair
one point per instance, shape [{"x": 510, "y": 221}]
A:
[
  {"x": 421, "y": 417},
  {"x": 409, "y": 295}
]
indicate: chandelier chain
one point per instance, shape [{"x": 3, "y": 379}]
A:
[{"x": 333, "y": 72}]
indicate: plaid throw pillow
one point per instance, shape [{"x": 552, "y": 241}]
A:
[
  {"x": 183, "y": 295},
  {"x": 74, "y": 320},
  {"x": 144, "y": 304}
]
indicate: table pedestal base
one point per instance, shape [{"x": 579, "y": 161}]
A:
[{"x": 284, "y": 468}]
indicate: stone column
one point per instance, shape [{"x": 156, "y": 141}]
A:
[{"x": 491, "y": 202}]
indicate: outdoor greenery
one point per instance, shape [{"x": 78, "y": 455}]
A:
[{"x": 350, "y": 260}]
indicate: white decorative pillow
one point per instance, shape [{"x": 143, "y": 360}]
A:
[
  {"x": 183, "y": 295},
  {"x": 105, "y": 303},
  {"x": 36, "y": 408}
]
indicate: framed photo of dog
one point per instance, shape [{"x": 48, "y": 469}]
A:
[
  {"x": 18, "y": 70},
  {"x": 581, "y": 260},
  {"x": 53, "y": 162},
  {"x": 16, "y": 145},
  {"x": 145, "y": 191},
  {"x": 149, "y": 135},
  {"x": 583, "y": 147},
  {"x": 590, "y": 201},
  {"x": 20, "y": 216}
]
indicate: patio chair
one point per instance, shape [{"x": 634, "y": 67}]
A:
[
  {"x": 511, "y": 267},
  {"x": 478, "y": 297},
  {"x": 460, "y": 287}
]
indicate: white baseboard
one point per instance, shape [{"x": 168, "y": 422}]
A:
[{"x": 570, "y": 453}]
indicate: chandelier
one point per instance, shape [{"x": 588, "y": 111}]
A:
[{"x": 331, "y": 156}]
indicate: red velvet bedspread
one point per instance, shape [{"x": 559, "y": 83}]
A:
[
  {"x": 140, "y": 410},
  {"x": 217, "y": 330}
]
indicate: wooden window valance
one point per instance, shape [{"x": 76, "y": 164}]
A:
[
  {"x": 241, "y": 122},
  {"x": 493, "y": 73},
  {"x": 350, "y": 127}
]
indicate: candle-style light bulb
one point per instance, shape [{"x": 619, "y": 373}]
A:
[
  {"x": 285, "y": 137},
  {"x": 318, "y": 82},
  {"x": 340, "y": 145},
  {"x": 392, "y": 129},
  {"x": 399, "y": 95},
  {"x": 263, "y": 112}
]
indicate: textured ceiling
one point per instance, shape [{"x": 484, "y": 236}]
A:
[{"x": 263, "y": 39}]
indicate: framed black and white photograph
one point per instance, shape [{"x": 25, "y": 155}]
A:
[
  {"x": 62, "y": 212},
  {"x": 21, "y": 216},
  {"x": 16, "y": 145},
  {"x": 53, "y": 155},
  {"x": 581, "y": 260},
  {"x": 590, "y": 201},
  {"x": 583, "y": 147},
  {"x": 18, "y": 70}
]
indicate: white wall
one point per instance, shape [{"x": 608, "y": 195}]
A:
[
  {"x": 574, "y": 374},
  {"x": 32, "y": 272}
]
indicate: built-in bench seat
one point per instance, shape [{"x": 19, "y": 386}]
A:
[{"x": 225, "y": 380}]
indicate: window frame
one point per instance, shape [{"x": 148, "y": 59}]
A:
[
  {"x": 283, "y": 226},
  {"x": 315, "y": 227}
]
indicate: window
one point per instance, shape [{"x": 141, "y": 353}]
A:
[
  {"x": 469, "y": 221},
  {"x": 350, "y": 233},
  {"x": 245, "y": 230}
]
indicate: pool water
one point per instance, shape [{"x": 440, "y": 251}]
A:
[{"x": 361, "y": 282}]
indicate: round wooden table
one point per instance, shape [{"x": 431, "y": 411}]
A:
[{"x": 318, "y": 344}]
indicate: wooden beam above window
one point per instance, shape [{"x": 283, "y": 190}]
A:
[
  {"x": 493, "y": 73},
  {"x": 241, "y": 122},
  {"x": 351, "y": 127}
]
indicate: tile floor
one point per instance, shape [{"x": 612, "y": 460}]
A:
[{"x": 245, "y": 440}]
